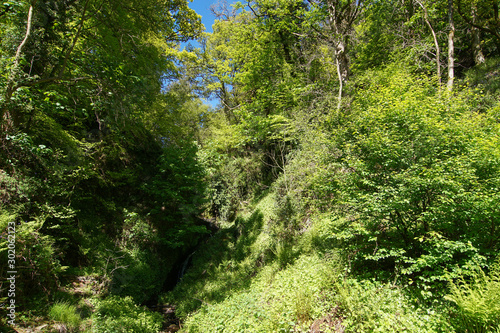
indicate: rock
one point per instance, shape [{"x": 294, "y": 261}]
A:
[
  {"x": 61, "y": 328},
  {"x": 173, "y": 328},
  {"x": 327, "y": 323},
  {"x": 41, "y": 328}
]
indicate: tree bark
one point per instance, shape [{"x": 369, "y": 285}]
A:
[
  {"x": 342, "y": 64},
  {"x": 340, "y": 20},
  {"x": 451, "y": 47},
  {"x": 476, "y": 40},
  {"x": 5, "y": 115}
]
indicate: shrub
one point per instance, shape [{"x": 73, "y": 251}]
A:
[
  {"x": 374, "y": 307},
  {"x": 136, "y": 269},
  {"x": 478, "y": 301},
  {"x": 121, "y": 315},
  {"x": 35, "y": 252},
  {"x": 417, "y": 180}
]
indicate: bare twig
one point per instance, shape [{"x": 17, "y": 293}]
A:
[{"x": 438, "y": 61}]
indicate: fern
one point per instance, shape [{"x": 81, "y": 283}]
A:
[{"x": 478, "y": 301}]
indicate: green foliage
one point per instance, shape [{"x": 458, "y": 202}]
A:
[
  {"x": 120, "y": 315},
  {"x": 108, "y": 156},
  {"x": 417, "y": 176},
  {"x": 178, "y": 189},
  {"x": 373, "y": 307},
  {"x": 284, "y": 253},
  {"x": 277, "y": 301},
  {"x": 66, "y": 314},
  {"x": 137, "y": 232},
  {"x": 137, "y": 273},
  {"x": 77, "y": 155},
  {"x": 33, "y": 250},
  {"x": 178, "y": 115},
  {"x": 478, "y": 301},
  {"x": 482, "y": 78},
  {"x": 231, "y": 181},
  {"x": 376, "y": 39},
  {"x": 224, "y": 265}
]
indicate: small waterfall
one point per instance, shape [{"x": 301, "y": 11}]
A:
[
  {"x": 180, "y": 266},
  {"x": 184, "y": 266}
]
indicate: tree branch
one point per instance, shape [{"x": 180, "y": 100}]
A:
[
  {"x": 438, "y": 61},
  {"x": 11, "y": 87},
  {"x": 253, "y": 11},
  {"x": 28, "y": 31},
  {"x": 473, "y": 24}
]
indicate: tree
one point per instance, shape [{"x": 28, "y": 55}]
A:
[
  {"x": 104, "y": 46},
  {"x": 334, "y": 25},
  {"x": 476, "y": 40},
  {"x": 484, "y": 15},
  {"x": 77, "y": 78},
  {"x": 451, "y": 46},
  {"x": 434, "y": 37}
]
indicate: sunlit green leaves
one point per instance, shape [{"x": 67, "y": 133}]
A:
[{"x": 417, "y": 172}]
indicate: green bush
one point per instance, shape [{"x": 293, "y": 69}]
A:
[
  {"x": 417, "y": 180},
  {"x": 136, "y": 269},
  {"x": 66, "y": 314},
  {"x": 478, "y": 301},
  {"x": 139, "y": 274},
  {"x": 121, "y": 315},
  {"x": 230, "y": 181},
  {"x": 374, "y": 307},
  {"x": 41, "y": 271},
  {"x": 177, "y": 193}
]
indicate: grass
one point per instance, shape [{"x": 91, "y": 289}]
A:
[{"x": 66, "y": 314}]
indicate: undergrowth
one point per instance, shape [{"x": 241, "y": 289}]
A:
[
  {"x": 120, "y": 314},
  {"x": 239, "y": 283},
  {"x": 66, "y": 314},
  {"x": 477, "y": 301}
]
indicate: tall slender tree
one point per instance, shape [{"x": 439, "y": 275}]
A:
[
  {"x": 434, "y": 38},
  {"x": 451, "y": 46},
  {"x": 336, "y": 29}
]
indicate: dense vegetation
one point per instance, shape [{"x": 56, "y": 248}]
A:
[{"x": 351, "y": 167}]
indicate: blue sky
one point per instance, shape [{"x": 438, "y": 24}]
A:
[{"x": 202, "y": 7}]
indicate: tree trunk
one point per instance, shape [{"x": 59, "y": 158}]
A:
[
  {"x": 434, "y": 37},
  {"x": 340, "y": 20},
  {"x": 476, "y": 41},
  {"x": 451, "y": 47},
  {"x": 6, "y": 118},
  {"x": 342, "y": 63}
]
